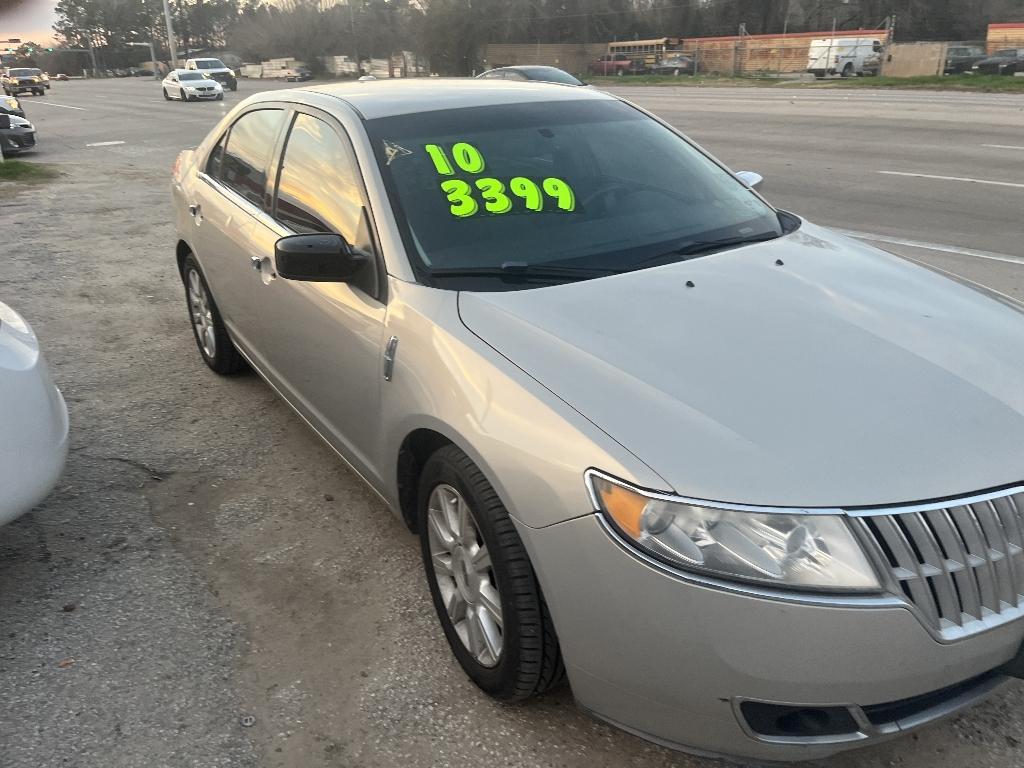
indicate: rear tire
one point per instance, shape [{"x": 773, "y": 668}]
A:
[
  {"x": 483, "y": 587},
  {"x": 848, "y": 70},
  {"x": 212, "y": 339}
]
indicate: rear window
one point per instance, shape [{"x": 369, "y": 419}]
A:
[{"x": 210, "y": 64}]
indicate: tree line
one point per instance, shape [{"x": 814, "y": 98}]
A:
[{"x": 451, "y": 33}]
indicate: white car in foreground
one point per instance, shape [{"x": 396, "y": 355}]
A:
[
  {"x": 33, "y": 420},
  {"x": 191, "y": 86}
]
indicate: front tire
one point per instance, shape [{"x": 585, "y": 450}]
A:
[
  {"x": 212, "y": 339},
  {"x": 483, "y": 587},
  {"x": 166, "y": 95},
  {"x": 847, "y": 70}
]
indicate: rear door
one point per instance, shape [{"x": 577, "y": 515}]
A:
[
  {"x": 322, "y": 343},
  {"x": 231, "y": 191}
]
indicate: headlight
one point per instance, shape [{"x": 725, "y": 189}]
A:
[
  {"x": 12, "y": 103},
  {"x": 794, "y": 550}
]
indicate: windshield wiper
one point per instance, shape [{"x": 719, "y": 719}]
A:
[
  {"x": 698, "y": 247},
  {"x": 515, "y": 270}
]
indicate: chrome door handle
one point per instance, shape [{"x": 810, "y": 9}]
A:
[{"x": 257, "y": 263}]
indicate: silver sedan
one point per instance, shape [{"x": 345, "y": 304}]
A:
[{"x": 753, "y": 487}]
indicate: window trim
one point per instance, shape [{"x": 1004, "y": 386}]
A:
[{"x": 295, "y": 109}]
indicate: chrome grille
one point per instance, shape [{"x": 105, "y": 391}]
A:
[{"x": 961, "y": 565}]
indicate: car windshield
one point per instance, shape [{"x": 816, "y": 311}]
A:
[
  {"x": 191, "y": 76},
  {"x": 24, "y": 72},
  {"x": 1006, "y": 52},
  {"x": 550, "y": 75},
  {"x": 585, "y": 185},
  {"x": 210, "y": 64}
]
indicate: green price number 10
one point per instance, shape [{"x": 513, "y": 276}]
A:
[{"x": 493, "y": 192}]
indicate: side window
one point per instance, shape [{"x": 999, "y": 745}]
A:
[
  {"x": 215, "y": 160},
  {"x": 249, "y": 147},
  {"x": 319, "y": 188}
]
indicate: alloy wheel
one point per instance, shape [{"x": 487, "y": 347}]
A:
[
  {"x": 465, "y": 575},
  {"x": 202, "y": 314}
]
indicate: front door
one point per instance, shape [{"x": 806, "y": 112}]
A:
[{"x": 322, "y": 343}]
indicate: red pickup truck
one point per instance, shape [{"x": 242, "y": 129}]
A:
[{"x": 612, "y": 64}]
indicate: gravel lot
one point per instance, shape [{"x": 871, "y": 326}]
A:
[{"x": 206, "y": 559}]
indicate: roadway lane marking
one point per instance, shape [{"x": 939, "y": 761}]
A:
[
  {"x": 62, "y": 106},
  {"x": 105, "y": 144},
  {"x": 1001, "y": 146},
  {"x": 953, "y": 178},
  {"x": 1005, "y": 257}
]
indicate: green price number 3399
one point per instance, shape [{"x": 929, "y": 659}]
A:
[{"x": 496, "y": 195}]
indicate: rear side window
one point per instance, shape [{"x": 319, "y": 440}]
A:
[
  {"x": 248, "y": 151},
  {"x": 216, "y": 158},
  {"x": 319, "y": 189}
]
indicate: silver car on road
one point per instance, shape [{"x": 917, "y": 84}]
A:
[{"x": 755, "y": 488}]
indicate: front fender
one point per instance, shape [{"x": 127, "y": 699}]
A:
[{"x": 532, "y": 446}]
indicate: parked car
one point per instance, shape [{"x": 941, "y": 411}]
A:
[
  {"x": 531, "y": 72},
  {"x": 675, "y": 65},
  {"x": 1007, "y": 61},
  {"x": 651, "y": 431},
  {"x": 33, "y": 420},
  {"x": 843, "y": 56},
  {"x": 140, "y": 72},
  {"x": 215, "y": 69},
  {"x": 872, "y": 65},
  {"x": 62, "y": 77},
  {"x": 189, "y": 85},
  {"x": 612, "y": 64},
  {"x": 16, "y": 134},
  {"x": 298, "y": 75},
  {"x": 961, "y": 58},
  {"x": 11, "y": 106},
  {"x": 25, "y": 80}
]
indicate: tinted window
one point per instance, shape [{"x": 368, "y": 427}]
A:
[
  {"x": 250, "y": 144},
  {"x": 191, "y": 76},
  {"x": 210, "y": 64},
  {"x": 589, "y": 183},
  {"x": 213, "y": 163},
  {"x": 318, "y": 189}
]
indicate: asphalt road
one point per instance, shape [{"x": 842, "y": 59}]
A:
[{"x": 205, "y": 559}]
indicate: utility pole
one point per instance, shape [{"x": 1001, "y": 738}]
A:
[
  {"x": 92, "y": 55},
  {"x": 172, "y": 46}
]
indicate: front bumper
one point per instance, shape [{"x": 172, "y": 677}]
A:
[
  {"x": 673, "y": 660},
  {"x": 16, "y": 88},
  {"x": 17, "y": 140}
]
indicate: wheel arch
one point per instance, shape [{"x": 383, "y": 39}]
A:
[{"x": 182, "y": 252}]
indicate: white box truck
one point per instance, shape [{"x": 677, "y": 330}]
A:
[{"x": 841, "y": 55}]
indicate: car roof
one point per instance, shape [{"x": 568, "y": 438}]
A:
[{"x": 404, "y": 96}]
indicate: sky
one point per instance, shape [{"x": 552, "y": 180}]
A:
[{"x": 27, "y": 19}]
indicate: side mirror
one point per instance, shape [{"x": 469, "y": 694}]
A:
[
  {"x": 324, "y": 258},
  {"x": 5, "y": 122},
  {"x": 751, "y": 179}
]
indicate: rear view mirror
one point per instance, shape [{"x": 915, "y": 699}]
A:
[
  {"x": 751, "y": 179},
  {"x": 5, "y": 122},
  {"x": 326, "y": 258}
]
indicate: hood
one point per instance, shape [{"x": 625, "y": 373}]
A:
[{"x": 844, "y": 376}]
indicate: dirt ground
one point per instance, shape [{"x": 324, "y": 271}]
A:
[{"x": 206, "y": 560}]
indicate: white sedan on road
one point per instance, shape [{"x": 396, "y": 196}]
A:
[
  {"x": 33, "y": 420},
  {"x": 189, "y": 85}
]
